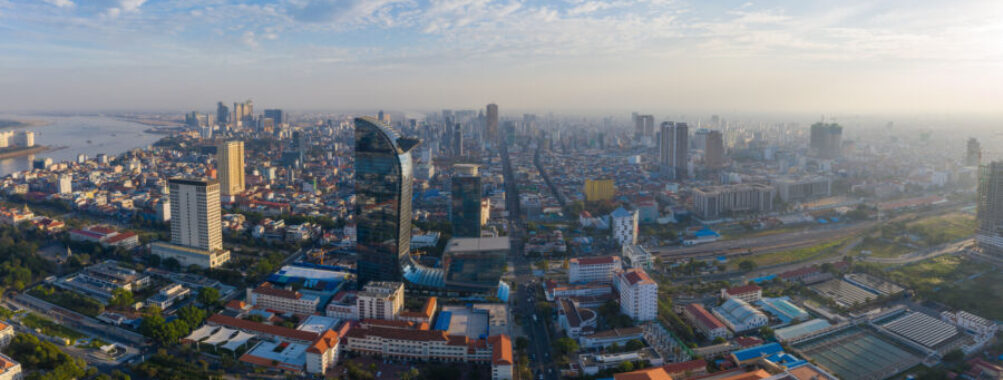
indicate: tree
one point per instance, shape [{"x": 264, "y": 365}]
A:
[
  {"x": 719, "y": 340},
  {"x": 766, "y": 332},
  {"x": 747, "y": 265},
  {"x": 634, "y": 345},
  {"x": 626, "y": 366},
  {"x": 411, "y": 374},
  {"x": 565, "y": 345},
  {"x": 121, "y": 298},
  {"x": 208, "y": 296},
  {"x": 521, "y": 343}
]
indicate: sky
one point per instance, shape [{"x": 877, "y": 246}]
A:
[{"x": 813, "y": 57}]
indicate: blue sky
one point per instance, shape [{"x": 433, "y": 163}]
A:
[{"x": 667, "y": 55}]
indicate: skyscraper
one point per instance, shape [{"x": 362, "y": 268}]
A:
[
  {"x": 826, "y": 140},
  {"x": 491, "y": 124},
  {"x": 714, "y": 150},
  {"x": 196, "y": 232},
  {"x": 222, "y": 113},
  {"x": 383, "y": 175},
  {"x": 457, "y": 141},
  {"x": 465, "y": 205},
  {"x": 277, "y": 116},
  {"x": 230, "y": 164},
  {"x": 989, "y": 208},
  {"x": 974, "y": 152},
  {"x": 644, "y": 125},
  {"x": 673, "y": 149},
  {"x": 195, "y": 215}
]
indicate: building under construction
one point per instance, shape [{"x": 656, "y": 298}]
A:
[{"x": 989, "y": 235}]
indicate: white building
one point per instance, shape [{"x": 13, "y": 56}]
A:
[
  {"x": 739, "y": 316},
  {"x": 323, "y": 353},
  {"x": 64, "y": 184},
  {"x": 196, "y": 225},
  {"x": 380, "y": 300},
  {"x": 6, "y": 334},
  {"x": 636, "y": 256},
  {"x": 9, "y": 369},
  {"x": 624, "y": 226},
  {"x": 971, "y": 322},
  {"x": 593, "y": 269},
  {"x": 748, "y": 293},
  {"x": 638, "y": 294},
  {"x": 289, "y": 301},
  {"x": 168, "y": 295}
]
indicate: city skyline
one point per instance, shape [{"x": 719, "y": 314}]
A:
[{"x": 662, "y": 56}]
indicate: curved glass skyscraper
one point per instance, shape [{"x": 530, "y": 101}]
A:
[{"x": 383, "y": 176}]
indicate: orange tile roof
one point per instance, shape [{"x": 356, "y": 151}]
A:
[
  {"x": 501, "y": 350},
  {"x": 327, "y": 340},
  {"x": 305, "y": 336},
  {"x": 636, "y": 276},
  {"x": 654, "y": 373}
]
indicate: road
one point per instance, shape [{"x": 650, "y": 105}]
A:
[{"x": 538, "y": 330}]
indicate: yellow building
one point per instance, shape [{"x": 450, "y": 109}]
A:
[
  {"x": 230, "y": 162},
  {"x": 599, "y": 190}
]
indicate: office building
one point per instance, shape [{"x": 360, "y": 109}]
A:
[
  {"x": 222, "y": 113},
  {"x": 278, "y": 116},
  {"x": 989, "y": 208},
  {"x": 973, "y": 153},
  {"x": 644, "y": 126},
  {"x": 230, "y": 166},
  {"x": 599, "y": 189},
  {"x": 674, "y": 149},
  {"x": 196, "y": 232},
  {"x": 383, "y": 177},
  {"x": 593, "y": 269},
  {"x": 475, "y": 264},
  {"x": 748, "y": 293},
  {"x": 624, "y": 226},
  {"x": 456, "y": 141},
  {"x": 704, "y": 321},
  {"x": 380, "y": 300},
  {"x": 638, "y": 294},
  {"x": 465, "y": 201},
  {"x": 714, "y": 202},
  {"x": 714, "y": 150},
  {"x": 491, "y": 123},
  {"x": 804, "y": 188},
  {"x": 64, "y": 183},
  {"x": 826, "y": 140}
]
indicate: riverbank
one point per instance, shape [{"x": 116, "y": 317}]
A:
[
  {"x": 19, "y": 152},
  {"x": 8, "y": 123}
]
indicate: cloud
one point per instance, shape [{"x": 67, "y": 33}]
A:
[
  {"x": 350, "y": 12},
  {"x": 248, "y": 39},
  {"x": 61, "y": 3}
]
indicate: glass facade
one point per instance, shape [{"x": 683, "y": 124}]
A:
[
  {"x": 465, "y": 206},
  {"x": 383, "y": 176}
]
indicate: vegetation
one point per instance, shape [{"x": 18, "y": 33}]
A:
[
  {"x": 166, "y": 333},
  {"x": 70, "y": 300},
  {"x": 955, "y": 281},
  {"x": 167, "y": 367},
  {"x": 50, "y": 328},
  {"x": 208, "y": 296},
  {"x": 800, "y": 254},
  {"x": 121, "y": 298},
  {"x": 45, "y": 358},
  {"x": 610, "y": 312}
]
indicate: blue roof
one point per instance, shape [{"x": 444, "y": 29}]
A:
[
  {"x": 620, "y": 212},
  {"x": 442, "y": 323},
  {"x": 706, "y": 232},
  {"x": 503, "y": 291},
  {"x": 758, "y": 352},
  {"x": 822, "y": 220},
  {"x": 763, "y": 279}
]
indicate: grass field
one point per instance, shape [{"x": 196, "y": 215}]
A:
[
  {"x": 943, "y": 228},
  {"x": 880, "y": 248},
  {"x": 50, "y": 328},
  {"x": 790, "y": 256},
  {"x": 957, "y": 282}
]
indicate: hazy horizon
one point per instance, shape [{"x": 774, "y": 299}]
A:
[{"x": 654, "y": 56}]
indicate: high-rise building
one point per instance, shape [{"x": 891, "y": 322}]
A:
[
  {"x": 674, "y": 149},
  {"x": 974, "y": 152},
  {"x": 599, "y": 189},
  {"x": 989, "y": 208},
  {"x": 383, "y": 176},
  {"x": 230, "y": 165},
  {"x": 196, "y": 232},
  {"x": 826, "y": 140},
  {"x": 465, "y": 205},
  {"x": 624, "y": 224},
  {"x": 195, "y": 214},
  {"x": 638, "y": 294},
  {"x": 644, "y": 125},
  {"x": 714, "y": 150},
  {"x": 222, "y": 113},
  {"x": 714, "y": 202},
  {"x": 380, "y": 300},
  {"x": 277, "y": 116},
  {"x": 491, "y": 123}
]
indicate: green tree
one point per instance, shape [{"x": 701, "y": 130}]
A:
[
  {"x": 121, "y": 298},
  {"x": 521, "y": 343},
  {"x": 208, "y": 296},
  {"x": 565, "y": 345},
  {"x": 747, "y": 265},
  {"x": 634, "y": 345}
]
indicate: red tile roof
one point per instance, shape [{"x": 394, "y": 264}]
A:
[
  {"x": 240, "y": 324},
  {"x": 744, "y": 289},
  {"x": 362, "y": 332},
  {"x": 268, "y": 290},
  {"x": 636, "y": 276},
  {"x": 704, "y": 317},
  {"x": 594, "y": 260},
  {"x": 683, "y": 367}
]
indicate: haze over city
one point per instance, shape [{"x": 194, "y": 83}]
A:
[{"x": 679, "y": 57}]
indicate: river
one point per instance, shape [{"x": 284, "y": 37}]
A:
[{"x": 89, "y": 135}]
